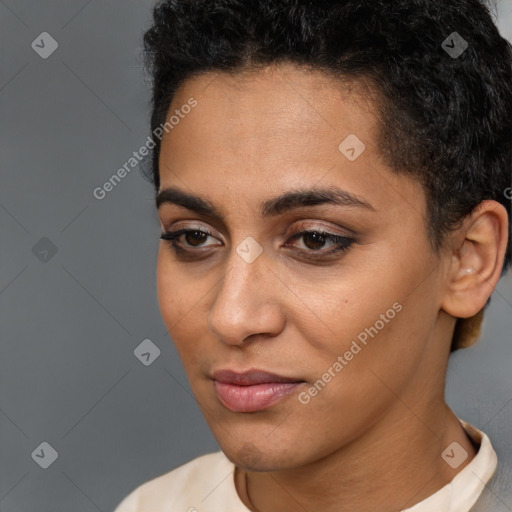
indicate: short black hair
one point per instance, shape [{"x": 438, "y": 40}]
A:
[{"x": 445, "y": 118}]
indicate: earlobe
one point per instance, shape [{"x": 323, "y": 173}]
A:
[{"x": 477, "y": 263}]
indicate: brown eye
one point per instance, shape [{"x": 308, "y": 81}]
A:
[
  {"x": 314, "y": 239},
  {"x": 313, "y": 242},
  {"x": 195, "y": 237}
]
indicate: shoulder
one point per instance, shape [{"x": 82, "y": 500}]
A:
[{"x": 184, "y": 486}]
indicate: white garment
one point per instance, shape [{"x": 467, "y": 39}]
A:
[{"x": 206, "y": 484}]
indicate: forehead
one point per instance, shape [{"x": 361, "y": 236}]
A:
[
  {"x": 280, "y": 111},
  {"x": 282, "y": 84},
  {"x": 266, "y": 131}
]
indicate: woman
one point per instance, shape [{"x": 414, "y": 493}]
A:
[{"x": 331, "y": 181}]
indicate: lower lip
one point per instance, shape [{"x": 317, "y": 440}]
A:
[{"x": 252, "y": 398}]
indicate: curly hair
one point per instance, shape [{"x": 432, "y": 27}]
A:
[{"x": 445, "y": 120}]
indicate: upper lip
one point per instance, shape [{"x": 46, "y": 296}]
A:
[{"x": 250, "y": 377}]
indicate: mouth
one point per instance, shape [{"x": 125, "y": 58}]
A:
[{"x": 252, "y": 390}]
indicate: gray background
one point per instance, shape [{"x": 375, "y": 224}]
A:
[{"x": 71, "y": 320}]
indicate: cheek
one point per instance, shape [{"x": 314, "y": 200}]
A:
[
  {"x": 182, "y": 302},
  {"x": 164, "y": 285},
  {"x": 174, "y": 299},
  {"x": 333, "y": 314},
  {"x": 373, "y": 312}
]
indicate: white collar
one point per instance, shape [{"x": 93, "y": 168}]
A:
[
  {"x": 466, "y": 487},
  {"x": 457, "y": 496}
]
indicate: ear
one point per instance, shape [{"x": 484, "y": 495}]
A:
[{"x": 477, "y": 257}]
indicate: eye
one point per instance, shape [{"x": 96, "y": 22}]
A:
[
  {"x": 313, "y": 241},
  {"x": 193, "y": 237}
]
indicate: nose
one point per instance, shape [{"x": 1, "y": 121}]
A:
[{"x": 246, "y": 305}]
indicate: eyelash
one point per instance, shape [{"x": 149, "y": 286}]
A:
[{"x": 342, "y": 243}]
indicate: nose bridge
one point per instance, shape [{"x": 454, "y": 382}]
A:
[{"x": 236, "y": 311}]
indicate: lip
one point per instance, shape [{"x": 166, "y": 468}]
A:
[
  {"x": 250, "y": 377},
  {"x": 253, "y": 390}
]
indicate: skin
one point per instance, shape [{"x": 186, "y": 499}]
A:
[{"x": 372, "y": 438}]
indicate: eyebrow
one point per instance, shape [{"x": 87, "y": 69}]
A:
[{"x": 283, "y": 203}]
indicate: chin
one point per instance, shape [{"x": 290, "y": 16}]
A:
[{"x": 250, "y": 457}]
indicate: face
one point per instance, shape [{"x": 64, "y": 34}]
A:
[{"x": 337, "y": 292}]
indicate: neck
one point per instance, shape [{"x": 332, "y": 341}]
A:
[{"x": 396, "y": 464}]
